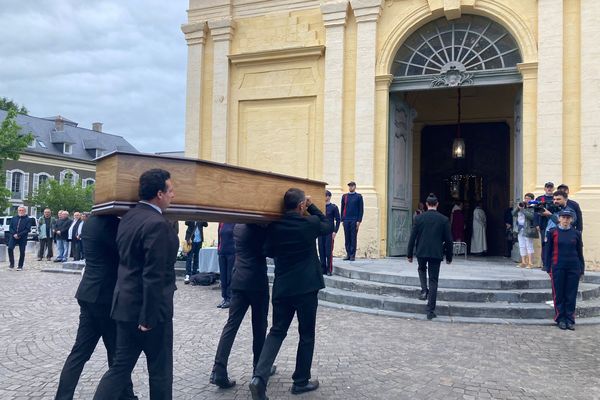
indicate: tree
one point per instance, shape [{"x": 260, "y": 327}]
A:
[
  {"x": 7, "y": 104},
  {"x": 12, "y": 143},
  {"x": 63, "y": 196}
]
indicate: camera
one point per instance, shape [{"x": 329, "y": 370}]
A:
[{"x": 539, "y": 206}]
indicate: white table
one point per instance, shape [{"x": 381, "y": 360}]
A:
[{"x": 208, "y": 260}]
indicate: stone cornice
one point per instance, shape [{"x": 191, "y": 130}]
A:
[
  {"x": 194, "y": 33},
  {"x": 528, "y": 69},
  {"x": 221, "y": 30},
  {"x": 383, "y": 81},
  {"x": 278, "y": 55},
  {"x": 334, "y": 13}
]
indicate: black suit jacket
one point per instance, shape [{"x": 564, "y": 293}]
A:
[
  {"x": 191, "y": 227},
  {"x": 431, "y": 233},
  {"x": 101, "y": 259},
  {"x": 145, "y": 286},
  {"x": 579, "y": 216},
  {"x": 291, "y": 242},
  {"x": 63, "y": 226},
  {"x": 250, "y": 265}
]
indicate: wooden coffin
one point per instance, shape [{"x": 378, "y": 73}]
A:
[{"x": 204, "y": 190}]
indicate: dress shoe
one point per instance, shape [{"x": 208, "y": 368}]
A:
[
  {"x": 352, "y": 259},
  {"x": 273, "y": 370},
  {"x": 431, "y": 315},
  {"x": 11, "y": 267},
  {"x": 222, "y": 381},
  {"x": 226, "y": 304},
  {"x": 39, "y": 259},
  {"x": 562, "y": 325},
  {"x": 346, "y": 258},
  {"x": 19, "y": 268},
  {"x": 570, "y": 326},
  {"x": 309, "y": 387},
  {"x": 423, "y": 295},
  {"x": 49, "y": 259},
  {"x": 258, "y": 389},
  {"x": 221, "y": 304}
]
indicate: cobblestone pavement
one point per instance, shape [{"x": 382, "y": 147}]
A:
[{"x": 357, "y": 356}]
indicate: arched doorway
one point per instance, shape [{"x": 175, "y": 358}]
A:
[{"x": 447, "y": 68}]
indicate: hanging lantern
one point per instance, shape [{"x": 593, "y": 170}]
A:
[{"x": 458, "y": 145}]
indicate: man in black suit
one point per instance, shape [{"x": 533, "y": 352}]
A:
[
  {"x": 194, "y": 235},
  {"x": 250, "y": 288},
  {"x": 431, "y": 233},
  {"x": 94, "y": 296},
  {"x": 298, "y": 279},
  {"x": 19, "y": 228},
  {"x": 143, "y": 297}
]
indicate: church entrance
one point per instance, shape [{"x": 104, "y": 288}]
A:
[{"x": 455, "y": 128}]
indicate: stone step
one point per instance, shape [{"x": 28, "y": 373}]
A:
[
  {"x": 466, "y": 282},
  {"x": 496, "y": 310},
  {"x": 587, "y": 291}
]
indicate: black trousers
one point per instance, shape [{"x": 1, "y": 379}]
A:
[
  {"x": 76, "y": 249},
  {"x": 94, "y": 323},
  {"x": 46, "y": 244},
  {"x": 192, "y": 261},
  {"x": 157, "y": 345},
  {"x": 350, "y": 233},
  {"x": 326, "y": 253},
  {"x": 305, "y": 308},
  {"x": 258, "y": 300},
  {"x": 433, "y": 265},
  {"x": 225, "y": 272},
  {"x": 565, "y": 283},
  {"x": 12, "y": 243}
]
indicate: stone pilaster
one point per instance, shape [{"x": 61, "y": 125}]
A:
[
  {"x": 334, "y": 19},
  {"x": 550, "y": 92},
  {"x": 221, "y": 31},
  {"x": 366, "y": 13},
  {"x": 195, "y": 36},
  {"x": 528, "y": 125}
]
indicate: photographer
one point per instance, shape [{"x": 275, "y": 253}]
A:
[
  {"x": 539, "y": 220},
  {"x": 525, "y": 229},
  {"x": 551, "y": 211}
]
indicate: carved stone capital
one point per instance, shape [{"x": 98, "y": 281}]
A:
[
  {"x": 366, "y": 10},
  {"x": 221, "y": 29},
  {"x": 334, "y": 13},
  {"x": 194, "y": 33}
]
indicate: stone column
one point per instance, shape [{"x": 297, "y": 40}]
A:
[
  {"x": 366, "y": 13},
  {"x": 195, "y": 36},
  {"x": 221, "y": 31},
  {"x": 334, "y": 19},
  {"x": 550, "y": 92},
  {"x": 528, "y": 125}
]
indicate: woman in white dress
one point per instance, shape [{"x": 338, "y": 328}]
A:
[{"x": 478, "y": 239}]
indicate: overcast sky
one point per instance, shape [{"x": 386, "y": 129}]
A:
[{"x": 119, "y": 62}]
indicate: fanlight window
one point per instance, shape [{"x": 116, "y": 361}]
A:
[{"x": 468, "y": 44}]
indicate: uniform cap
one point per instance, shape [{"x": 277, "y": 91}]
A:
[{"x": 351, "y": 183}]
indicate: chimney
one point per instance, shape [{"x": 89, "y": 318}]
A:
[
  {"x": 59, "y": 124},
  {"x": 97, "y": 127}
]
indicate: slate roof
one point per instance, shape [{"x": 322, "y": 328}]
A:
[{"x": 84, "y": 141}]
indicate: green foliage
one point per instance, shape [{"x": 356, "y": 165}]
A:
[
  {"x": 7, "y": 104},
  {"x": 65, "y": 196},
  {"x": 12, "y": 143}
]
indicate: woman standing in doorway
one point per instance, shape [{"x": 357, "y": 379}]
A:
[{"x": 525, "y": 230}]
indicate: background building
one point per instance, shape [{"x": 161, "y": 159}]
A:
[
  {"x": 60, "y": 150},
  {"x": 367, "y": 90}
]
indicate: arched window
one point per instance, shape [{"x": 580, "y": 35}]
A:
[
  {"x": 40, "y": 179},
  {"x": 465, "y": 45},
  {"x": 17, "y": 182},
  {"x": 68, "y": 175},
  {"x": 87, "y": 182}
]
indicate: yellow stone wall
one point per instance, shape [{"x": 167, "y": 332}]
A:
[{"x": 276, "y": 99}]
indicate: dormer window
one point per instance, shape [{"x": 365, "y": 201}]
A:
[
  {"x": 67, "y": 148},
  {"x": 99, "y": 153}
]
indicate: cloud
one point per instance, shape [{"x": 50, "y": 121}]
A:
[{"x": 119, "y": 62}]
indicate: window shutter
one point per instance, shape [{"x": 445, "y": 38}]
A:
[
  {"x": 25, "y": 190},
  {"x": 75, "y": 177},
  {"x": 35, "y": 183},
  {"x": 62, "y": 176},
  {"x": 9, "y": 180}
]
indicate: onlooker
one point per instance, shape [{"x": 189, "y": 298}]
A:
[
  {"x": 249, "y": 288},
  {"x": 226, "y": 253},
  {"x": 352, "y": 214},
  {"x": 508, "y": 230},
  {"x": 540, "y": 220},
  {"x": 61, "y": 235},
  {"x": 194, "y": 236},
  {"x": 573, "y": 205},
  {"x": 566, "y": 266},
  {"x": 432, "y": 237},
  {"x": 478, "y": 238},
  {"x": 298, "y": 279},
  {"x": 72, "y": 236},
  {"x": 326, "y": 241},
  {"x": 526, "y": 230},
  {"x": 143, "y": 297},
  {"x": 94, "y": 296},
  {"x": 46, "y": 227},
  {"x": 18, "y": 229}
]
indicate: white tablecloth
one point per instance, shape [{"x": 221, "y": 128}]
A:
[{"x": 208, "y": 260}]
